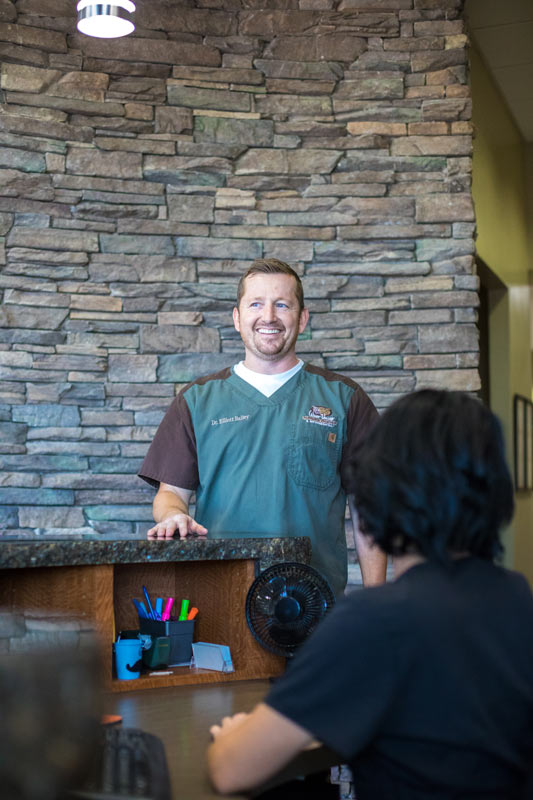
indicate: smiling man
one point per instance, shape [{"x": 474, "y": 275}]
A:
[{"x": 264, "y": 444}]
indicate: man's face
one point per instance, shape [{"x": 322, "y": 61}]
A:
[{"x": 269, "y": 319}]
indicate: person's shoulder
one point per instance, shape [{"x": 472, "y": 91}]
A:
[
  {"x": 485, "y": 567},
  {"x": 207, "y": 381},
  {"x": 511, "y": 577},
  {"x": 331, "y": 377},
  {"x": 371, "y": 617},
  {"x": 382, "y": 602}
]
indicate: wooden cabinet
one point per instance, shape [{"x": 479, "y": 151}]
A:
[
  {"x": 102, "y": 595},
  {"x": 218, "y": 589}
]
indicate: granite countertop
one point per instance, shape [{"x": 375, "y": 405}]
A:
[{"x": 40, "y": 551}]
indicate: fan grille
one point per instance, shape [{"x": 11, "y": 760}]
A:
[{"x": 284, "y": 605}]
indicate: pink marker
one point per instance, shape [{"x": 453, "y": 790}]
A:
[{"x": 166, "y": 611}]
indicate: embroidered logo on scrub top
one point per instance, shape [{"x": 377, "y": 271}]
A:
[{"x": 320, "y": 415}]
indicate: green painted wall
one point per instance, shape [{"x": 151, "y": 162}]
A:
[{"x": 501, "y": 187}]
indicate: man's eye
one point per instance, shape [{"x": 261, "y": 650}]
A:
[
  {"x": 254, "y": 305},
  {"x": 282, "y": 305}
]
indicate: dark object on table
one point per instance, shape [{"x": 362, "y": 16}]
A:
[
  {"x": 158, "y": 654},
  {"x": 310, "y": 787},
  {"x": 129, "y": 763},
  {"x": 284, "y": 605},
  {"x": 305, "y": 777},
  {"x": 50, "y": 704}
]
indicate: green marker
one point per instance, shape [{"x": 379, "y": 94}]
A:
[{"x": 184, "y": 610}]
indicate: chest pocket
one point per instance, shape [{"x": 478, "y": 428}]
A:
[{"x": 314, "y": 454}]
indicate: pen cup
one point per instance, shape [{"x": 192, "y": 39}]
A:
[{"x": 128, "y": 654}]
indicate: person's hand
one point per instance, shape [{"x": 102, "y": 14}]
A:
[
  {"x": 228, "y": 724},
  {"x": 180, "y": 523}
]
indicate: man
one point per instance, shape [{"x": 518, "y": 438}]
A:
[
  {"x": 424, "y": 685},
  {"x": 264, "y": 444}
]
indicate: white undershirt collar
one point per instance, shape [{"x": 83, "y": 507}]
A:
[{"x": 266, "y": 384}]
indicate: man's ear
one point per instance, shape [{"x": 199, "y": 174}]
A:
[
  {"x": 236, "y": 319},
  {"x": 304, "y": 319}
]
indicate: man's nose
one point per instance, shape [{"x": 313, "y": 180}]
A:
[{"x": 269, "y": 312}]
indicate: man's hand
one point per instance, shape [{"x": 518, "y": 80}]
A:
[
  {"x": 182, "y": 523},
  {"x": 171, "y": 514},
  {"x": 228, "y": 724}
]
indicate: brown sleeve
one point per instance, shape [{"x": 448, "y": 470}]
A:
[
  {"x": 172, "y": 458},
  {"x": 361, "y": 418}
]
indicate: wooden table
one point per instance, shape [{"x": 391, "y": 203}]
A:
[{"x": 181, "y": 717}]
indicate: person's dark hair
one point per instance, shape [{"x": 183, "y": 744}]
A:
[
  {"x": 271, "y": 266},
  {"x": 431, "y": 478}
]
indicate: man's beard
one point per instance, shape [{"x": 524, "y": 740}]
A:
[{"x": 270, "y": 350}]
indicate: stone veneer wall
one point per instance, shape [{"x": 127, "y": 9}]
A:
[
  {"x": 31, "y": 630},
  {"x": 139, "y": 177}
]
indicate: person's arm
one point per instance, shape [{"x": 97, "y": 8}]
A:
[
  {"x": 248, "y": 749},
  {"x": 171, "y": 513},
  {"x": 361, "y": 418},
  {"x": 372, "y": 560}
]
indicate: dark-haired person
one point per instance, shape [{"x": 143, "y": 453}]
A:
[
  {"x": 264, "y": 444},
  {"x": 423, "y": 685}
]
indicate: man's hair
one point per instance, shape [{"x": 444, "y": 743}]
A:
[
  {"x": 271, "y": 266},
  {"x": 431, "y": 478}
]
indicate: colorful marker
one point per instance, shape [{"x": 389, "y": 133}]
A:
[
  {"x": 141, "y": 610},
  {"x": 184, "y": 609},
  {"x": 166, "y": 611}
]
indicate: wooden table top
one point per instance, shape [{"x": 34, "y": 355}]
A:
[{"x": 181, "y": 716}]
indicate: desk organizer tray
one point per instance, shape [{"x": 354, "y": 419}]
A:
[{"x": 180, "y": 634}]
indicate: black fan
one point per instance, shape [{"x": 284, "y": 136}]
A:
[{"x": 285, "y": 603}]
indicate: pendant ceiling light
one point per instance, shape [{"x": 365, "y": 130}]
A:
[{"x": 106, "y": 20}]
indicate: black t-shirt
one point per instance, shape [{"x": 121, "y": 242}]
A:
[{"x": 425, "y": 685}]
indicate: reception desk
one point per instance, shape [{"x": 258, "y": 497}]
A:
[{"x": 95, "y": 580}]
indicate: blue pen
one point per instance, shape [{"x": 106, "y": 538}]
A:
[
  {"x": 141, "y": 611},
  {"x": 143, "y": 608},
  {"x": 151, "y": 612},
  {"x": 159, "y": 607}
]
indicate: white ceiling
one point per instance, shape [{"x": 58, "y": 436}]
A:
[{"x": 503, "y": 32}]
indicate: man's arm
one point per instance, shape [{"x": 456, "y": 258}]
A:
[
  {"x": 171, "y": 513},
  {"x": 248, "y": 749},
  {"x": 372, "y": 560}
]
